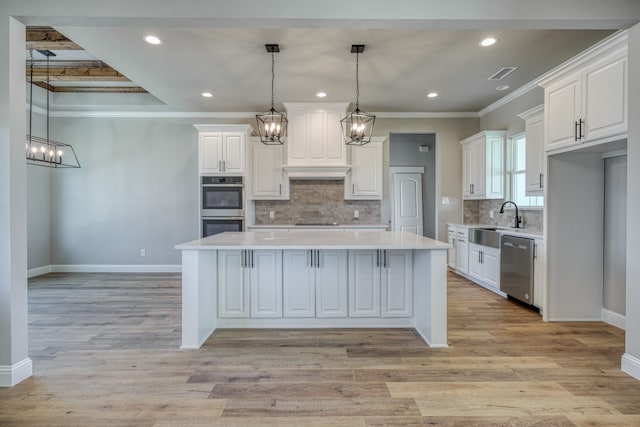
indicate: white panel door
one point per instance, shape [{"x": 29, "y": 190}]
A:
[
  {"x": 233, "y": 289},
  {"x": 407, "y": 202},
  {"x": 210, "y": 152},
  {"x": 397, "y": 284},
  {"x": 298, "y": 283},
  {"x": 475, "y": 264},
  {"x": 233, "y": 152},
  {"x": 265, "y": 267},
  {"x": 331, "y": 284},
  {"x": 364, "y": 283}
]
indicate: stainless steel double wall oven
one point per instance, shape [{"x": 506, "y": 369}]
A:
[{"x": 222, "y": 202}]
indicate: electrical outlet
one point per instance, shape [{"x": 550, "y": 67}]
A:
[
  {"x": 143, "y": 252},
  {"x": 445, "y": 201},
  {"x": 272, "y": 214},
  {"x": 491, "y": 213},
  {"x": 356, "y": 214}
]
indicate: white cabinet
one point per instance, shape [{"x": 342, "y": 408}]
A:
[
  {"x": 484, "y": 264},
  {"x": 365, "y": 179},
  {"x": 451, "y": 239},
  {"x": 380, "y": 283},
  {"x": 462, "y": 249},
  {"x": 535, "y": 155},
  {"x": 315, "y": 283},
  {"x": 268, "y": 179},
  {"x": 539, "y": 273},
  {"x": 315, "y": 136},
  {"x": 221, "y": 149},
  {"x": 248, "y": 272},
  {"x": 589, "y": 104},
  {"x": 483, "y": 165}
]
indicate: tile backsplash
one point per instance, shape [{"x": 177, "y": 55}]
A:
[
  {"x": 317, "y": 201},
  {"x": 477, "y": 212}
]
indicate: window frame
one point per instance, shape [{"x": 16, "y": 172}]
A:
[{"x": 512, "y": 173}]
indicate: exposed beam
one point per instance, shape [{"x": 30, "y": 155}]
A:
[
  {"x": 46, "y": 38},
  {"x": 72, "y": 74},
  {"x": 98, "y": 89}
]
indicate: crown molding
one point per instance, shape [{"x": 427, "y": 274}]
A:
[
  {"x": 426, "y": 115},
  {"x": 508, "y": 98}
]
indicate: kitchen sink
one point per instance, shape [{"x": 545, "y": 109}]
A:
[{"x": 486, "y": 236}]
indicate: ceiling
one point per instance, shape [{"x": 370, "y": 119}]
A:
[{"x": 397, "y": 70}]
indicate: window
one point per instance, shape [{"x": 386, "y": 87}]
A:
[{"x": 516, "y": 171}]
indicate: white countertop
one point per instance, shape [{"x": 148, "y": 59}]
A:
[
  {"x": 310, "y": 239},
  {"x": 521, "y": 232},
  {"x": 311, "y": 227}
]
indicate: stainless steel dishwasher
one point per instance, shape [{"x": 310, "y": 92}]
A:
[{"x": 516, "y": 267}]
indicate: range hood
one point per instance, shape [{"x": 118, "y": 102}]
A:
[{"x": 336, "y": 172}]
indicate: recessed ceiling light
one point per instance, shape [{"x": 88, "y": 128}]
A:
[
  {"x": 152, "y": 39},
  {"x": 489, "y": 41},
  {"x": 432, "y": 95},
  {"x": 321, "y": 94},
  {"x": 207, "y": 94},
  {"x": 502, "y": 87}
]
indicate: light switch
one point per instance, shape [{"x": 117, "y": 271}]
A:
[
  {"x": 356, "y": 214},
  {"x": 272, "y": 214},
  {"x": 445, "y": 200}
]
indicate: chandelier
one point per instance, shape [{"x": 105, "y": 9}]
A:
[
  {"x": 272, "y": 125},
  {"x": 45, "y": 151},
  {"x": 357, "y": 126}
]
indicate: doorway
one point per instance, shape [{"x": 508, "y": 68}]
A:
[{"x": 418, "y": 150}]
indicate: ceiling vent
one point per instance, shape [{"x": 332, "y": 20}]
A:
[{"x": 502, "y": 73}]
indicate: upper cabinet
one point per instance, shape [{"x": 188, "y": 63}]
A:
[
  {"x": 315, "y": 135},
  {"x": 221, "y": 149},
  {"x": 364, "y": 181},
  {"x": 268, "y": 179},
  {"x": 535, "y": 155},
  {"x": 588, "y": 104},
  {"x": 483, "y": 165}
]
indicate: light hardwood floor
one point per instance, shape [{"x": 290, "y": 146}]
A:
[{"x": 106, "y": 351}]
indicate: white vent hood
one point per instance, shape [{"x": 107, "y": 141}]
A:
[
  {"x": 315, "y": 145},
  {"x": 317, "y": 172}
]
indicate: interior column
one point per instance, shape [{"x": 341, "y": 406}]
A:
[{"x": 15, "y": 364}]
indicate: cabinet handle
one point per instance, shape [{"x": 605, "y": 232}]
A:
[
  {"x": 479, "y": 259},
  {"x": 243, "y": 258},
  {"x": 220, "y": 165},
  {"x": 353, "y": 188},
  {"x": 224, "y": 166},
  {"x": 535, "y": 251},
  {"x": 280, "y": 190},
  {"x": 377, "y": 257},
  {"x": 384, "y": 263},
  {"x": 252, "y": 260},
  {"x": 318, "y": 258},
  {"x": 581, "y": 129},
  {"x": 575, "y": 130},
  {"x": 540, "y": 180}
]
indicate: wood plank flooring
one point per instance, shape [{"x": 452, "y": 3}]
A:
[{"x": 106, "y": 352}]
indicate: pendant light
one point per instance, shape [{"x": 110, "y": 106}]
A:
[
  {"x": 272, "y": 125},
  {"x": 357, "y": 126},
  {"x": 44, "y": 151}
]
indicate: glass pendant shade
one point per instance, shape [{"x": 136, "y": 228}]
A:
[
  {"x": 272, "y": 125},
  {"x": 357, "y": 126}
]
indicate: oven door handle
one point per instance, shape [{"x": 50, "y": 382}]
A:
[
  {"x": 222, "y": 217},
  {"x": 221, "y": 185}
]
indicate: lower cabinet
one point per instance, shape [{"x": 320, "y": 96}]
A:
[
  {"x": 249, "y": 272},
  {"x": 484, "y": 264},
  {"x": 451, "y": 253},
  {"x": 538, "y": 273},
  {"x": 380, "y": 283},
  {"x": 462, "y": 250},
  {"x": 315, "y": 283}
]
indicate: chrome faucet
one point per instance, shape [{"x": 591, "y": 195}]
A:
[{"x": 518, "y": 218}]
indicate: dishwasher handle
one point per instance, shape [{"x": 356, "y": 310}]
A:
[{"x": 515, "y": 245}]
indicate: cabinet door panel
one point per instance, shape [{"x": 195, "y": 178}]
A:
[
  {"x": 233, "y": 152},
  {"x": 475, "y": 266},
  {"x": 605, "y": 100},
  {"x": 210, "y": 152},
  {"x": 364, "y": 284},
  {"x": 233, "y": 289},
  {"x": 462, "y": 252},
  {"x": 331, "y": 284},
  {"x": 299, "y": 293},
  {"x": 316, "y": 135},
  {"x": 491, "y": 266},
  {"x": 397, "y": 284},
  {"x": 534, "y": 157},
  {"x": 562, "y": 108},
  {"x": 267, "y": 177},
  {"x": 451, "y": 239},
  {"x": 366, "y": 171},
  {"x": 335, "y": 147},
  {"x": 266, "y": 283}
]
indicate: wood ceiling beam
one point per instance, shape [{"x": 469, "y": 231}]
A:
[
  {"x": 72, "y": 74},
  {"x": 98, "y": 89},
  {"x": 46, "y": 38}
]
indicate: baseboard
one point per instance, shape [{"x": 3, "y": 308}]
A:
[
  {"x": 38, "y": 271},
  {"x": 105, "y": 268},
  {"x": 14, "y": 374},
  {"x": 614, "y": 319},
  {"x": 631, "y": 365}
]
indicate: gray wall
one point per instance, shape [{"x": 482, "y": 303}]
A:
[
  {"x": 137, "y": 188},
  {"x": 506, "y": 117},
  {"x": 404, "y": 151},
  {"x": 615, "y": 233},
  {"x": 38, "y": 216}
]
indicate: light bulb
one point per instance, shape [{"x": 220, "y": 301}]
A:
[
  {"x": 42, "y": 149},
  {"x": 60, "y": 153},
  {"x": 34, "y": 150}
]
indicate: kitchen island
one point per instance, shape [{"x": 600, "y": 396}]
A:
[{"x": 314, "y": 279}]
